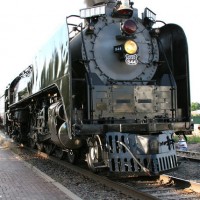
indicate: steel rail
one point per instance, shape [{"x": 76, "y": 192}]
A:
[
  {"x": 135, "y": 193},
  {"x": 127, "y": 190},
  {"x": 189, "y": 154},
  {"x": 181, "y": 182}
]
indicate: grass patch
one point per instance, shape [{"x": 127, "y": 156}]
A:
[{"x": 191, "y": 139}]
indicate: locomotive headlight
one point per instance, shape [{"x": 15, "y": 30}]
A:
[
  {"x": 130, "y": 47},
  {"x": 127, "y": 52}
]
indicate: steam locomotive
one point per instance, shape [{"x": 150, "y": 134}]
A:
[{"x": 112, "y": 90}]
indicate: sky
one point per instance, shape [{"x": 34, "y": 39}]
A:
[{"x": 25, "y": 25}]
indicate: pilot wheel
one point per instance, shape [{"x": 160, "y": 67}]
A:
[{"x": 94, "y": 156}]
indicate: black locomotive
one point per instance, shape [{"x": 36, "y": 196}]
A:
[{"x": 112, "y": 90}]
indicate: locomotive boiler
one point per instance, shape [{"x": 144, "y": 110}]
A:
[{"x": 112, "y": 90}]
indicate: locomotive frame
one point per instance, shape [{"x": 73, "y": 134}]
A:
[{"x": 114, "y": 93}]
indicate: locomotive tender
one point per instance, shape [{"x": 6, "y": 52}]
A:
[{"x": 113, "y": 91}]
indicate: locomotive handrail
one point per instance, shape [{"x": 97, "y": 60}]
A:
[
  {"x": 88, "y": 73},
  {"x": 170, "y": 79},
  {"x": 70, "y": 24},
  {"x": 75, "y": 26},
  {"x": 72, "y": 16}
]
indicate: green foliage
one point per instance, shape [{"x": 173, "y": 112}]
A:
[
  {"x": 191, "y": 139},
  {"x": 195, "y": 106}
]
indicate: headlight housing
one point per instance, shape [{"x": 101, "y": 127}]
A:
[{"x": 130, "y": 47}]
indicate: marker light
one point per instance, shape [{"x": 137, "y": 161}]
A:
[
  {"x": 129, "y": 27},
  {"x": 130, "y": 47}
]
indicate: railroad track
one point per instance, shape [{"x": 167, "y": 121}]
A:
[
  {"x": 147, "y": 188},
  {"x": 168, "y": 187},
  {"x": 189, "y": 155},
  {"x": 144, "y": 188}
]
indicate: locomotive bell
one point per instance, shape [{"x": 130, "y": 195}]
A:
[{"x": 122, "y": 9}]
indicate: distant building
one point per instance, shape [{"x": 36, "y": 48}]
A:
[{"x": 195, "y": 112}]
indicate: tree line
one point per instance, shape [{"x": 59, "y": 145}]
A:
[{"x": 195, "y": 106}]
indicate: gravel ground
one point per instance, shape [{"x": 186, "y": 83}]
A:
[
  {"x": 89, "y": 189},
  {"x": 82, "y": 186},
  {"x": 194, "y": 147},
  {"x": 187, "y": 169}
]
